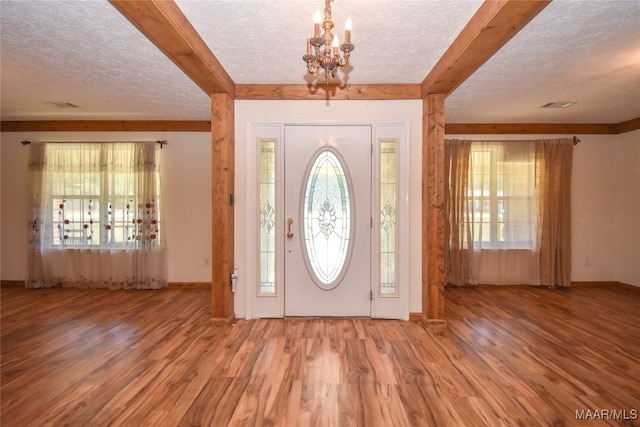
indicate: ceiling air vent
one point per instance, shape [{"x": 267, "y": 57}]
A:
[
  {"x": 61, "y": 105},
  {"x": 558, "y": 104}
]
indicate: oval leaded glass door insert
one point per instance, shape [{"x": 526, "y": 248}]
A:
[{"x": 326, "y": 219}]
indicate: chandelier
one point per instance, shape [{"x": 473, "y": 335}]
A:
[{"x": 324, "y": 53}]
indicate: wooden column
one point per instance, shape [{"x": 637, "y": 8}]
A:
[
  {"x": 222, "y": 188},
  {"x": 433, "y": 210}
]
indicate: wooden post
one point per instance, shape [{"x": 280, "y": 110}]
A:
[
  {"x": 433, "y": 210},
  {"x": 222, "y": 188}
]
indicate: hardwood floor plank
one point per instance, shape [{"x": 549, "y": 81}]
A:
[
  {"x": 510, "y": 356},
  {"x": 211, "y": 406}
]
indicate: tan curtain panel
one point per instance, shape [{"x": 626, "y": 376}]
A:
[
  {"x": 554, "y": 159},
  {"x": 457, "y": 222},
  {"x": 508, "y": 212}
]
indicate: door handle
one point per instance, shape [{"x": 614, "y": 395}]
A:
[{"x": 289, "y": 232}]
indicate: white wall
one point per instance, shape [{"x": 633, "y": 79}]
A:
[
  {"x": 593, "y": 208},
  {"x": 606, "y": 208},
  {"x": 606, "y": 191},
  {"x": 627, "y": 210},
  {"x": 186, "y": 182}
]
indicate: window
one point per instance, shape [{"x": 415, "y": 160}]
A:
[
  {"x": 267, "y": 202},
  {"x": 502, "y": 196},
  {"x": 327, "y": 219},
  {"x": 388, "y": 217},
  {"x": 93, "y": 193}
]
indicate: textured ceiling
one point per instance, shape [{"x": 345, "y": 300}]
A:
[
  {"x": 587, "y": 52},
  {"x": 86, "y": 53},
  {"x": 396, "y": 41}
]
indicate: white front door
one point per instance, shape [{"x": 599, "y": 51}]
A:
[{"x": 327, "y": 245}]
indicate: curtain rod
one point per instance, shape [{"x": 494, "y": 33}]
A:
[
  {"x": 162, "y": 143},
  {"x": 576, "y": 140}
]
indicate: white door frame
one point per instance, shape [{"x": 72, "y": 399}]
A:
[{"x": 273, "y": 306}]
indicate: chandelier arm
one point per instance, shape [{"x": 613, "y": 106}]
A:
[{"x": 344, "y": 60}]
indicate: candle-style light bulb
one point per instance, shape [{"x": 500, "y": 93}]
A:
[
  {"x": 347, "y": 31},
  {"x": 317, "y": 19},
  {"x": 336, "y": 43}
]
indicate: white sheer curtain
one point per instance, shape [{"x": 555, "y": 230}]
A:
[
  {"x": 95, "y": 217},
  {"x": 502, "y": 183}
]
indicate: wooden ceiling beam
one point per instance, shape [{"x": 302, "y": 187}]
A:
[
  {"x": 492, "y": 26},
  {"x": 164, "y": 24},
  {"x": 331, "y": 91}
]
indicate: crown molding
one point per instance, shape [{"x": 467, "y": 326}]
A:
[
  {"x": 106, "y": 126},
  {"x": 205, "y": 126},
  {"x": 628, "y": 126},
  {"x": 542, "y": 128}
]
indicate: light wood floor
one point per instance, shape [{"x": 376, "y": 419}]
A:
[{"x": 510, "y": 356}]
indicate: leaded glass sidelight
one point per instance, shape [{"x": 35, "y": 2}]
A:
[
  {"x": 388, "y": 217},
  {"x": 327, "y": 219},
  {"x": 267, "y": 201}
]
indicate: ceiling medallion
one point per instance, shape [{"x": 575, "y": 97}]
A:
[{"x": 325, "y": 53}]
